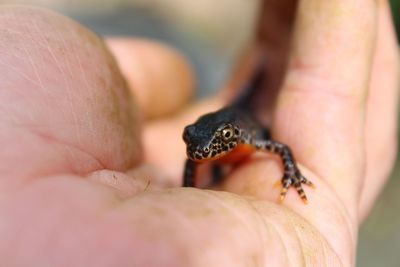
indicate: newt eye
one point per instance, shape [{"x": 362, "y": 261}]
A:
[{"x": 227, "y": 133}]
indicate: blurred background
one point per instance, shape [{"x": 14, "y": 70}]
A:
[{"x": 211, "y": 34}]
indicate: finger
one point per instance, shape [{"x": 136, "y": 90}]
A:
[
  {"x": 160, "y": 77},
  {"x": 321, "y": 108},
  {"x": 381, "y": 123},
  {"x": 64, "y": 105},
  {"x": 274, "y": 32}
]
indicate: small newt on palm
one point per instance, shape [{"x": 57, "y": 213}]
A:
[{"x": 233, "y": 133}]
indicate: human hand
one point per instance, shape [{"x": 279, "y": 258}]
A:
[{"x": 67, "y": 119}]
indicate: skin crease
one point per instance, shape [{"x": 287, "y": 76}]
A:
[{"x": 77, "y": 190}]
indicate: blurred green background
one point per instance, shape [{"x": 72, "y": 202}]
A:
[{"x": 202, "y": 30}]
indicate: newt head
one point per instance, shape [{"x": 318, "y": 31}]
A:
[{"x": 211, "y": 136}]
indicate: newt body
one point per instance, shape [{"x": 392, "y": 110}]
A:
[{"x": 232, "y": 133}]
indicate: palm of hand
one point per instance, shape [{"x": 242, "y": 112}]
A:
[{"x": 77, "y": 119}]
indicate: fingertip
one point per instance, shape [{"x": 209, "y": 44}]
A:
[{"x": 160, "y": 77}]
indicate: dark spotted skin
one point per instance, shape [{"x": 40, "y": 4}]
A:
[{"x": 231, "y": 134}]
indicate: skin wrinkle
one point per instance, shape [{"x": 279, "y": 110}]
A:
[
  {"x": 22, "y": 74},
  {"x": 321, "y": 237},
  {"x": 220, "y": 202},
  {"x": 35, "y": 70},
  {"x": 52, "y": 139},
  {"x": 231, "y": 209},
  {"x": 86, "y": 85},
  {"x": 266, "y": 226},
  {"x": 342, "y": 210},
  {"x": 271, "y": 224},
  {"x": 340, "y": 206},
  {"x": 324, "y": 242},
  {"x": 16, "y": 55},
  {"x": 7, "y": 115},
  {"x": 300, "y": 244},
  {"x": 179, "y": 216},
  {"x": 37, "y": 82},
  {"x": 64, "y": 76},
  {"x": 316, "y": 83},
  {"x": 293, "y": 94},
  {"x": 324, "y": 253},
  {"x": 299, "y": 239},
  {"x": 276, "y": 226},
  {"x": 344, "y": 216},
  {"x": 259, "y": 230},
  {"x": 349, "y": 226},
  {"x": 333, "y": 251}
]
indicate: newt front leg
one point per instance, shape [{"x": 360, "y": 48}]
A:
[
  {"x": 189, "y": 173},
  {"x": 292, "y": 175}
]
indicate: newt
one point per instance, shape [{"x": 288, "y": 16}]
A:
[{"x": 232, "y": 134}]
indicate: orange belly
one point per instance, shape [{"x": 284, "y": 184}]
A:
[{"x": 239, "y": 153}]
